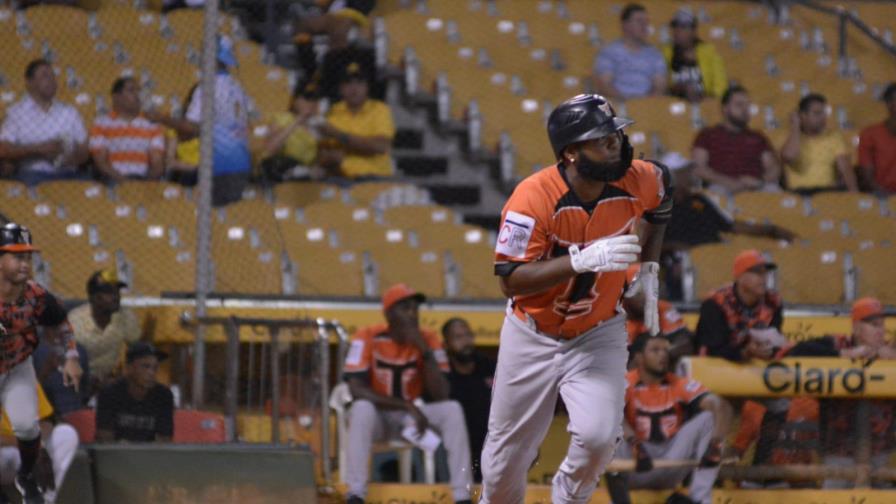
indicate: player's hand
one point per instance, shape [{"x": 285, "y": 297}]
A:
[
  {"x": 608, "y": 254},
  {"x": 71, "y": 373},
  {"x": 419, "y": 418},
  {"x": 643, "y": 462},
  {"x": 648, "y": 283},
  {"x": 713, "y": 455}
]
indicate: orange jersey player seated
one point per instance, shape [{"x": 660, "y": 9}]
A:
[
  {"x": 668, "y": 417},
  {"x": 390, "y": 368},
  {"x": 567, "y": 235}
]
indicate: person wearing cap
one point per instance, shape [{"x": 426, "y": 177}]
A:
[
  {"x": 136, "y": 407},
  {"x": 729, "y": 315},
  {"x": 231, "y": 160},
  {"x": 25, "y": 306},
  {"x": 698, "y": 219},
  {"x": 390, "y": 368},
  {"x": 814, "y": 155},
  {"x": 731, "y": 156},
  {"x": 291, "y": 141},
  {"x": 104, "y": 327},
  {"x": 359, "y": 130},
  {"x": 631, "y": 67},
  {"x": 696, "y": 70},
  {"x": 867, "y": 340},
  {"x": 877, "y": 148}
]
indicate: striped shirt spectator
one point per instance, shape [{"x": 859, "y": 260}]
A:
[{"x": 124, "y": 144}]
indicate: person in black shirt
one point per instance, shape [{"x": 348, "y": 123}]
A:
[
  {"x": 697, "y": 219},
  {"x": 471, "y": 379},
  {"x": 136, "y": 407}
]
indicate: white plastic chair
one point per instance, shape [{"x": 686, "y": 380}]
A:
[{"x": 341, "y": 397}]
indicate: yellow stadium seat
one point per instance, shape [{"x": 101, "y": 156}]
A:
[
  {"x": 300, "y": 194},
  {"x": 873, "y": 229},
  {"x": 241, "y": 269},
  {"x": 450, "y": 236},
  {"x": 799, "y": 271},
  {"x": 846, "y": 205},
  {"x": 158, "y": 268},
  {"x": 416, "y": 217},
  {"x": 328, "y": 272},
  {"x": 71, "y": 262},
  {"x": 477, "y": 271},
  {"x": 70, "y": 192},
  {"x": 414, "y": 266},
  {"x": 876, "y": 275},
  {"x": 142, "y": 192},
  {"x": 768, "y": 205}
]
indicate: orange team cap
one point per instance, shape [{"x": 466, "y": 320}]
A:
[
  {"x": 749, "y": 259},
  {"x": 866, "y": 308},
  {"x": 400, "y": 292}
]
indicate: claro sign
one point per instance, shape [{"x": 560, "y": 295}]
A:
[{"x": 820, "y": 377}]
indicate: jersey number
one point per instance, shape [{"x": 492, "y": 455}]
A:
[{"x": 578, "y": 298}]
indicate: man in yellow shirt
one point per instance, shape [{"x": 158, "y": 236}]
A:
[
  {"x": 60, "y": 444},
  {"x": 359, "y": 130},
  {"x": 813, "y": 155}
]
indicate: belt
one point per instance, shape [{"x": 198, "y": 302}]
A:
[{"x": 525, "y": 318}]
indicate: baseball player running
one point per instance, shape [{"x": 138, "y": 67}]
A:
[
  {"x": 25, "y": 306},
  {"x": 568, "y": 233}
]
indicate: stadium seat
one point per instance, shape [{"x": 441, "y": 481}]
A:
[
  {"x": 799, "y": 270},
  {"x": 477, "y": 273},
  {"x": 713, "y": 266},
  {"x": 84, "y": 421},
  {"x": 71, "y": 192},
  {"x": 768, "y": 205},
  {"x": 300, "y": 194},
  {"x": 198, "y": 427},
  {"x": 328, "y": 272},
  {"x": 143, "y": 192},
  {"x": 874, "y": 268},
  {"x": 414, "y": 217},
  {"x": 846, "y": 205},
  {"x": 413, "y": 266}
]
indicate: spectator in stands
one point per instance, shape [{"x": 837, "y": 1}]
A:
[
  {"x": 44, "y": 138},
  {"x": 341, "y": 20},
  {"x": 730, "y": 155},
  {"x": 696, "y": 70},
  {"x": 231, "y": 160},
  {"x": 332, "y": 69},
  {"x": 698, "y": 219},
  {"x": 290, "y": 149},
  {"x": 389, "y": 368},
  {"x": 104, "y": 327},
  {"x": 58, "y": 447},
  {"x": 124, "y": 144},
  {"x": 47, "y": 359},
  {"x": 136, "y": 408},
  {"x": 359, "y": 131},
  {"x": 731, "y": 316},
  {"x": 672, "y": 325},
  {"x": 877, "y": 148},
  {"x": 839, "y": 417},
  {"x": 814, "y": 155},
  {"x": 631, "y": 67},
  {"x": 669, "y": 417},
  {"x": 182, "y": 150},
  {"x": 471, "y": 377}
]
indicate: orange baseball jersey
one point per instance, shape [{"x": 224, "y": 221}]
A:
[
  {"x": 670, "y": 322},
  {"x": 656, "y": 412},
  {"x": 391, "y": 369},
  {"x": 544, "y": 217}
]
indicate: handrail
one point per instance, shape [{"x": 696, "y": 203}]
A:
[{"x": 846, "y": 16}]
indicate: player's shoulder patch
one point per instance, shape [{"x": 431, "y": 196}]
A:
[
  {"x": 355, "y": 352},
  {"x": 692, "y": 386},
  {"x": 515, "y": 233}
]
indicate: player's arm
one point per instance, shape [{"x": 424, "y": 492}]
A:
[
  {"x": 722, "y": 414},
  {"x": 360, "y": 389},
  {"x": 533, "y": 277}
]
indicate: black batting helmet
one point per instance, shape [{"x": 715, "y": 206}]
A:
[
  {"x": 582, "y": 117},
  {"x": 15, "y": 238}
]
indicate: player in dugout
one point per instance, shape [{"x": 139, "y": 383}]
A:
[
  {"x": 568, "y": 233},
  {"x": 669, "y": 417}
]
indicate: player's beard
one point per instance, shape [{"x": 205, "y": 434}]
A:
[
  {"x": 465, "y": 356},
  {"x": 607, "y": 171}
]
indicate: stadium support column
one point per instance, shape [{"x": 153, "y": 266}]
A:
[{"x": 204, "y": 203}]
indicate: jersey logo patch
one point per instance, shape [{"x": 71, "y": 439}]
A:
[
  {"x": 516, "y": 231},
  {"x": 353, "y": 358}
]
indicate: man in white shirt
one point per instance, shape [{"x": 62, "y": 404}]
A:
[{"x": 44, "y": 138}]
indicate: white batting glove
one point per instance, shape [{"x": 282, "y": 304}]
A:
[
  {"x": 608, "y": 254},
  {"x": 648, "y": 282}
]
